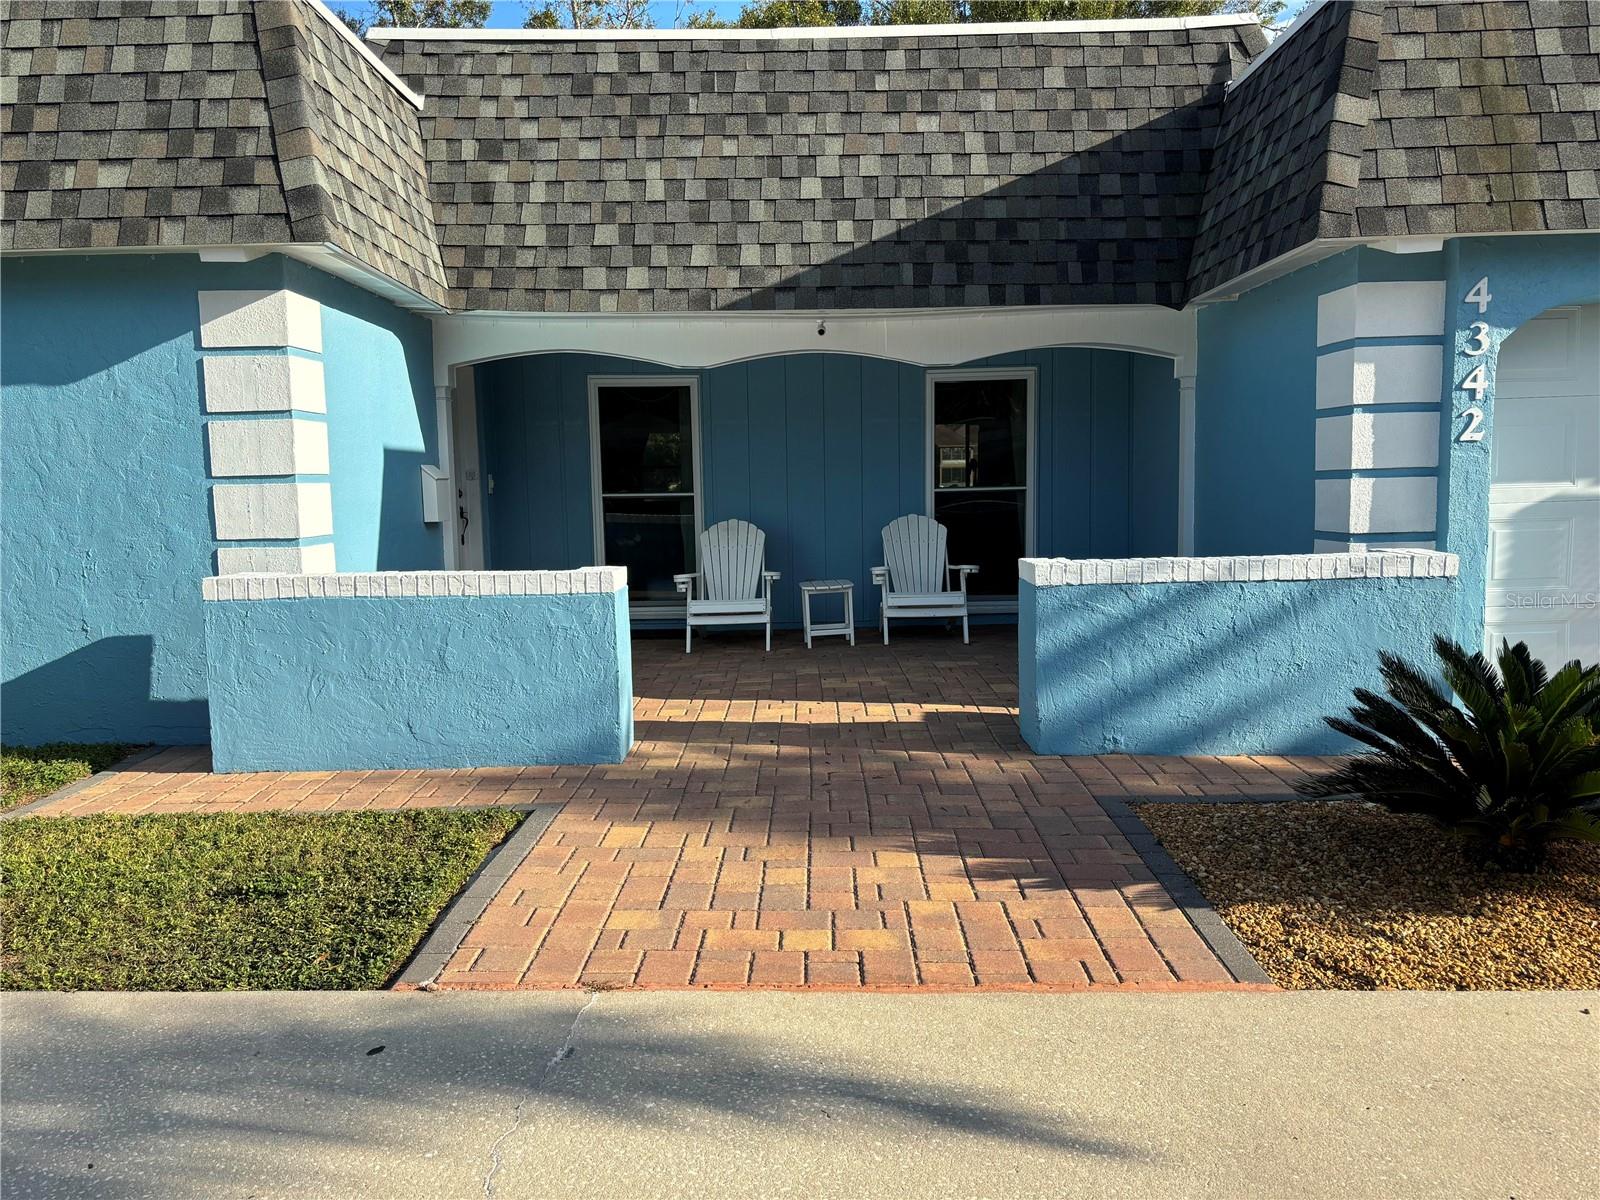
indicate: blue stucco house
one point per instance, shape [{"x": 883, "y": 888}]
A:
[{"x": 1224, "y": 360}]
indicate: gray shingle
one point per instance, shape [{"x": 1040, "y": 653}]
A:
[
  {"x": 1471, "y": 138},
  {"x": 894, "y": 171},
  {"x": 148, "y": 149},
  {"x": 191, "y": 154}
]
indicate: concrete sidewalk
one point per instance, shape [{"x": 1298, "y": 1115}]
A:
[{"x": 637, "y": 1095}]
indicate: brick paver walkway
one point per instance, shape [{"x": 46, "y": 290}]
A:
[{"x": 841, "y": 816}]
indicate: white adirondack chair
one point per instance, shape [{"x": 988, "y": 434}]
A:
[
  {"x": 916, "y": 578},
  {"x": 733, "y": 585}
]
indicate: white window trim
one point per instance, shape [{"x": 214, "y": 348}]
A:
[
  {"x": 644, "y": 608},
  {"x": 1030, "y": 376}
]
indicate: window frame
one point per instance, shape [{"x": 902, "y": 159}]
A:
[
  {"x": 597, "y": 496},
  {"x": 930, "y": 466}
]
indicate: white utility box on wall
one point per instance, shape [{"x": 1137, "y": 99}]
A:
[{"x": 435, "y": 495}]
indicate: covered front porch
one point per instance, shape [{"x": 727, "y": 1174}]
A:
[{"x": 619, "y": 440}]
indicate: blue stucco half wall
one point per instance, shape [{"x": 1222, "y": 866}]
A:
[
  {"x": 396, "y": 682},
  {"x": 1213, "y": 668},
  {"x": 103, "y": 479}
]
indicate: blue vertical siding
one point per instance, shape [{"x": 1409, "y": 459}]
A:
[
  {"x": 823, "y": 450},
  {"x": 1153, "y": 467}
]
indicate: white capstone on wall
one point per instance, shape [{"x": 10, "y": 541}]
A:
[
  {"x": 260, "y": 318},
  {"x": 253, "y": 511},
  {"x": 270, "y": 446},
  {"x": 1238, "y": 568},
  {"x": 382, "y": 584},
  {"x": 1377, "y": 440},
  {"x": 315, "y": 559},
  {"x": 1379, "y": 375},
  {"x": 263, "y": 383},
  {"x": 1381, "y": 504}
]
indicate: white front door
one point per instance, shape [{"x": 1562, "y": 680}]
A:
[{"x": 1544, "y": 501}]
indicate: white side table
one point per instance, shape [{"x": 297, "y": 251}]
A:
[{"x": 827, "y": 587}]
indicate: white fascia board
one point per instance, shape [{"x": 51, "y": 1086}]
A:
[
  {"x": 830, "y": 33},
  {"x": 324, "y": 256},
  {"x": 349, "y": 35},
  {"x": 1315, "y": 251},
  {"x": 1294, "y": 26},
  {"x": 925, "y": 337}
]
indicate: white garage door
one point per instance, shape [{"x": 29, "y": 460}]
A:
[{"x": 1544, "y": 503}]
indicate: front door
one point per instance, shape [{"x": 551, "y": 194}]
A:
[
  {"x": 643, "y": 455},
  {"x": 1544, "y": 501},
  {"x": 981, "y": 473}
]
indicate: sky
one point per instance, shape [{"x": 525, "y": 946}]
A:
[{"x": 509, "y": 14}]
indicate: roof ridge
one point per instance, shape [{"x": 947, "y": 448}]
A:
[
  {"x": 332, "y": 18},
  {"x": 388, "y": 33}
]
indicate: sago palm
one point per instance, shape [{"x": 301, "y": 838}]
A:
[{"x": 1515, "y": 767}]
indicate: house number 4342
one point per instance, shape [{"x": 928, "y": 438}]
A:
[{"x": 1477, "y": 345}]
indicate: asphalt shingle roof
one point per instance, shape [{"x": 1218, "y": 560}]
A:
[
  {"x": 349, "y": 148},
  {"x": 1059, "y": 167},
  {"x": 135, "y": 125},
  {"x": 204, "y": 123},
  {"x": 1062, "y": 165},
  {"x": 1289, "y": 154},
  {"x": 1484, "y": 119},
  {"x": 1403, "y": 119}
]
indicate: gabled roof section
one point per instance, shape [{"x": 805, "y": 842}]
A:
[
  {"x": 1484, "y": 120},
  {"x": 209, "y": 123},
  {"x": 893, "y": 169},
  {"x": 1288, "y": 157},
  {"x": 349, "y": 148},
  {"x": 124, "y": 128},
  {"x": 1426, "y": 118},
  {"x": 1098, "y": 162}
]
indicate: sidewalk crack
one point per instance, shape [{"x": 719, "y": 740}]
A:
[{"x": 564, "y": 1052}]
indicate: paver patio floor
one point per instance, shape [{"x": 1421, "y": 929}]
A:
[{"x": 863, "y": 816}]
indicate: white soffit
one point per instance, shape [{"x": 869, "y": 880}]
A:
[{"x": 929, "y": 338}]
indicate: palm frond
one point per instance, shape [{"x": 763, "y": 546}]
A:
[
  {"x": 1524, "y": 675},
  {"x": 1512, "y": 762}
]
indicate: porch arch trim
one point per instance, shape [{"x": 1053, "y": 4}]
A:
[{"x": 924, "y": 337}]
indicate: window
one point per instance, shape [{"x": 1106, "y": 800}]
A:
[
  {"x": 981, "y": 448},
  {"x": 645, "y": 464}
]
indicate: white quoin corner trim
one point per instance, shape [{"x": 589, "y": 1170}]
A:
[{"x": 927, "y": 338}]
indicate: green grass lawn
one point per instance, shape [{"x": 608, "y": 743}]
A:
[
  {"x": 28, "y": 772},
  {"x": 216, "y": 901}
]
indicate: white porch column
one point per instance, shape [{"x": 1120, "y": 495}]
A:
[{"x": 1186, "y": 465}]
